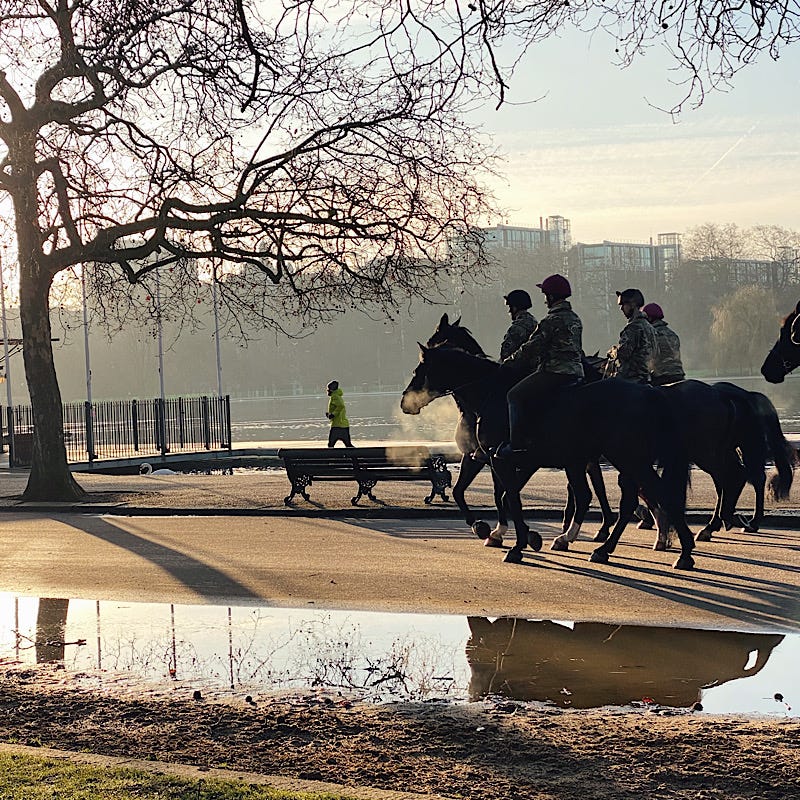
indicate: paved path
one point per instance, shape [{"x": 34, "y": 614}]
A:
[{"x": 744, "y": 582}]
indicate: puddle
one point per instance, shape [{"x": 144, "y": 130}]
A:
[{"x": 389, "y": 657}]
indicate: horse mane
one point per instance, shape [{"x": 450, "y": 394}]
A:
[{"x": 456, "y": 335}]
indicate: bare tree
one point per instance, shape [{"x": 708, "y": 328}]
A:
[
  {"x": 311, "y": 158},
  {"x": 310, "y": 155},
  {"x": 706, "y": 43}
]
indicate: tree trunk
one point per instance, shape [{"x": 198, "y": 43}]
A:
[{"x": 50, "y": 477}]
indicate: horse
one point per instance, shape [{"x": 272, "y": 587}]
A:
[
  {"x": 578, "y": 426},
  {"x": 719, "y": 422},
  {"x": 758, "y": 437},
  {"x": 785, "y": 353},
  {"x": 457, "y": 335}
]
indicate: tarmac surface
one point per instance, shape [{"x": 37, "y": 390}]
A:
[{"x": 217, "y": 538}]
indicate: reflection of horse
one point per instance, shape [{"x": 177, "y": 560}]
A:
[
  {"x": 580, "y": 424},
  {"x": 785, "y": 353},
  {"x": 458, "y": 336},
  {"x": 596, "y": 664}
]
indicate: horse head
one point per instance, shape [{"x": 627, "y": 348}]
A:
[
  {"x": 785, "y": 353},
  {"x": 455, "y": 335},
  {"x": 442, "y": 370}
]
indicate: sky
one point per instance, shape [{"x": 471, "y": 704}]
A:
[{"x": 596, "y": 148}]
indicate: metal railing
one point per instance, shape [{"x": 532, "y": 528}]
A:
[{"x": 127, "y": 428}]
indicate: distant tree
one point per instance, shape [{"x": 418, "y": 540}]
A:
[
  {"x": 743, "y": 329},
  {"x": 309, "y": 159}
]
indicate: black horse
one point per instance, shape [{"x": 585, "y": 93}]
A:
[
  {"x": 759, "y": 438},
  {"x": 730, "y": 433},
  {"x": 632, "y": 426},
  {"x": 457, "y": 335},
  {"x": 785, "y": 353}
]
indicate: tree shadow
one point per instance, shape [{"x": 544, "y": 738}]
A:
[{"x": 206, "y": 581}]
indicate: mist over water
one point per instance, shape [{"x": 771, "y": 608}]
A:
[{"x": 377, "y": 416}]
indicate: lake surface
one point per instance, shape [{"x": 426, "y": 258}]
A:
[{"x": 376, "y": 416}]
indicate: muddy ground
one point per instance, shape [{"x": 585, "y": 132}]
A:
[{"x": 480, "y": 750}]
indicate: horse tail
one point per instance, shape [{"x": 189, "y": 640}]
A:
[{"x": 784, "y": 456}]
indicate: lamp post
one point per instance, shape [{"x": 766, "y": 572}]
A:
[
  {"x": 87, "y": 359},
  {"x": 6, "y": 361},
  {"x": 216, "y": 328}
]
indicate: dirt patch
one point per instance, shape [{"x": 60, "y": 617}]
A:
[{"x": 481, "y": 750}]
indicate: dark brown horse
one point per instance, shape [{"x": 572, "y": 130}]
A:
[
  {"x": 457, "y": 335},
  {"x": 785, "y": 353}
]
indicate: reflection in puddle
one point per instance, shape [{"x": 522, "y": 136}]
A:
[{"x": 384, "y": 657}]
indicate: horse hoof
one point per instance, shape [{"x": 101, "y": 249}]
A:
[
  {"x": 659, "y": 545},
  {"x": 601, "y": 535},
  {"x": 750, "y": 529},
  {"x": 481, "y": 529},
  {"x": 645, "y": 526},
  {"x": 684, "y": 562},
  {"x": 599, "y": 557},
  {"x": 704, "y": 535},
  {"x": 492, "y": 542},
  {"x": 559, "y": 544},
  {"x": 534, "y": 541},
  {"x": 513, "y": 556}
]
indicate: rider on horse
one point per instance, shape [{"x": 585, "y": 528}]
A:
[
  {"x": 637, "y": 340},
  {"x": 666, "y": 366},
  {"x": 551, "y": 358},
  {"x": 523, "y": 323}
]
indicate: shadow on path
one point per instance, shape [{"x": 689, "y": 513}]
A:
[{"x": 206, "y": 581}]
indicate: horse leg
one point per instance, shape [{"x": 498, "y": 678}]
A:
[
  {"x": 627, "y": 506},
  {"x": 513, "y": 480},
  {"x": 495, "y": 537},
  {"x": 722, "y": 511},
  {"x": 670, "y": 490},
  {"x": 599, "y": 486},
  {"x": 582, "y": 497},
  {"x": 569, "y": 509},
  {"x": 467, "y": 474},
  {"x": 733, "y": 491}
]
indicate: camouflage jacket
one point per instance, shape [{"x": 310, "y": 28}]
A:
[
  {"x": 522, "y": 327},
  {"x": 667, "y": 356},
  {"x": 555, "y": 345},
  {"x": 633, "y": 354}
]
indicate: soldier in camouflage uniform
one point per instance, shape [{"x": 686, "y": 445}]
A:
[
  {"x": 666, "y": 366},
  {"x": 637, "y": 340},
  {"x": 551, "y": 356},
  {"x": 523, "y": 323}
]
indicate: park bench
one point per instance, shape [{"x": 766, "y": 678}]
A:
[{"x": 365, "y": 465}]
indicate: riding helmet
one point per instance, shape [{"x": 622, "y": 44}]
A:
[
  {"x": 555, "y": 286},
  {"x": 653, "y": 310},
  {"x": 518, "y": 298},
  {"x": 631, "y": 296}
]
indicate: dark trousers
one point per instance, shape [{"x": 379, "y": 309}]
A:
[
  {"x": 339, "y": 435},
  {"x": 526, "y": 401}
]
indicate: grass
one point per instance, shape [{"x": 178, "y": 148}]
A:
[{"x": 24, "y": 777}]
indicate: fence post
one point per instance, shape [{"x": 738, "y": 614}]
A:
[
  {"x": 161, "y": 416},
  {"x": 181, "y": 423},
  {"x": 10, "y": 426},
  {"x": 206, "y": 422},
  {"x": 228, "y": 437},
  {"x": 88, "y": 423},
  {"x": 135, "y": 424}
]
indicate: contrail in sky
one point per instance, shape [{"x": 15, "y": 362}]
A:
[{"x": 727, "y": 152}]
